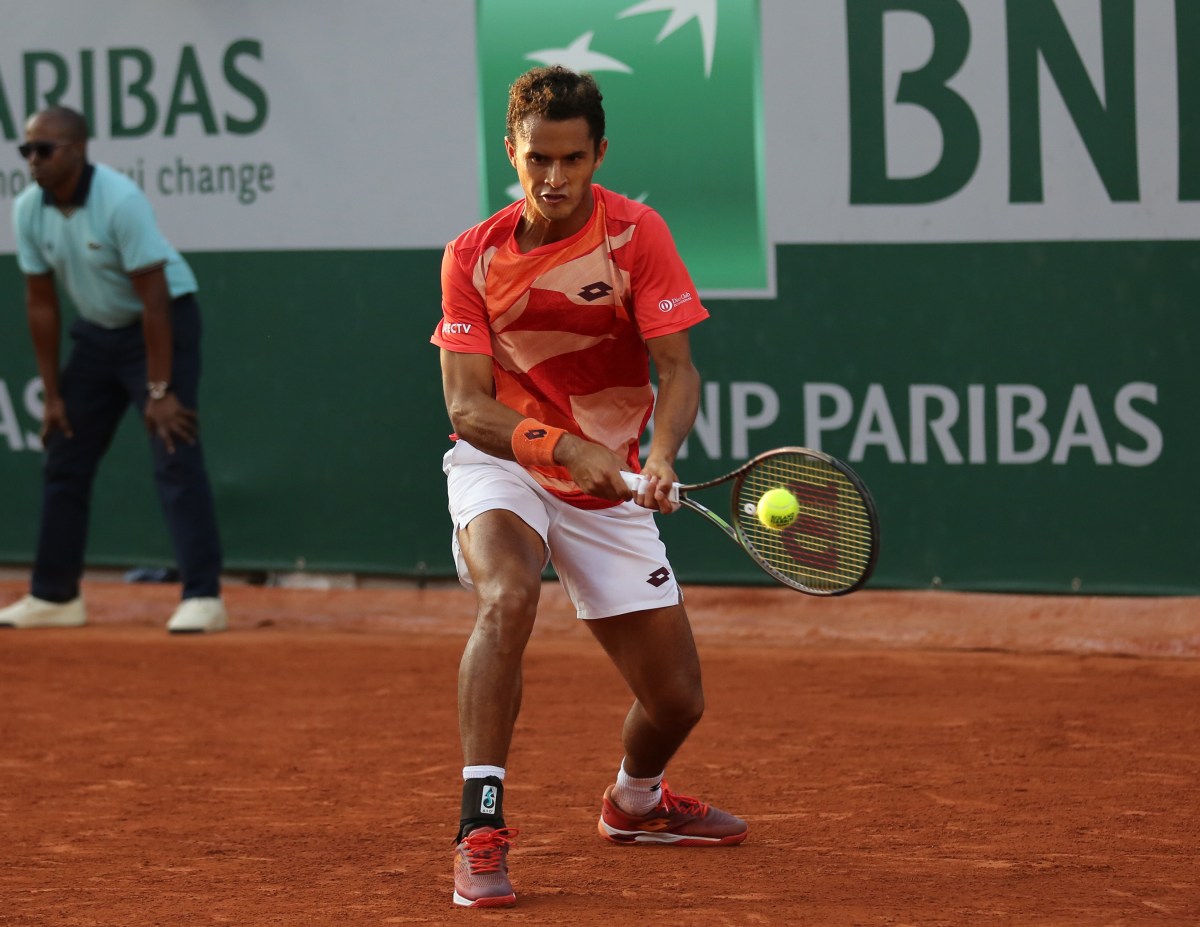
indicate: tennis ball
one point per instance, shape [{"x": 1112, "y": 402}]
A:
[{"x": 777, "y": 508}]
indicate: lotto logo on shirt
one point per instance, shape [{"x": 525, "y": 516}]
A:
[{"x": 666, "y": 305}]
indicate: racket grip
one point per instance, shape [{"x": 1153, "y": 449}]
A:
[{"x": 635, "y": 480}]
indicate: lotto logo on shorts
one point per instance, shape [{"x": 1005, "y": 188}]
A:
[
  {"x": 659, "y": 576},
  {"x": 488, "y": 804}
]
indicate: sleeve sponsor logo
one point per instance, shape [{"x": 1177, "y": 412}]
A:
[
  {"x": 666, "y": 305},
  {"x": 456, "y": 328}
]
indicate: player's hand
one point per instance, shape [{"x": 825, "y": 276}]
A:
[
  {"x": 657, "y": 479},
  {"x": 54, "y": 418},
  {"x": 594, "y": 468},
  {"x": 169, "y": 419}
]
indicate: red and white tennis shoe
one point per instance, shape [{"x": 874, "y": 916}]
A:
[
  {"x": 481, "y": 869},
  {"x": 676, "y": 820}
]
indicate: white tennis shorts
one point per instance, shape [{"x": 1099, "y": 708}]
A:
[{"x": 610, "y": 561}]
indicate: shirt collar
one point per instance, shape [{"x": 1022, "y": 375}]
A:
[{"x": 79, "y": 197}]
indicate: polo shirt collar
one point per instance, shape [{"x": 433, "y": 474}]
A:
[{"x": 79, "y": 197}]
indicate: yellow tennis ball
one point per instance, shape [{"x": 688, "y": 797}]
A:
[{"x": 777, "y": 508}]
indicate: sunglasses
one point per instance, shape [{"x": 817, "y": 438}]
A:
[{"x": 41, "y": 149}]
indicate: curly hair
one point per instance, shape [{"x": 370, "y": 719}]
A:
[{"x": 555, "y": 93}]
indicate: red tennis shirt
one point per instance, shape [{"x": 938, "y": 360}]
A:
[{"x": 566, "y": 323}]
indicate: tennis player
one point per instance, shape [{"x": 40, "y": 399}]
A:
[{"x": 552, "y": 310}]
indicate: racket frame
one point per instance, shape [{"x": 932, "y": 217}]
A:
[{"x": 679, "y": 492}]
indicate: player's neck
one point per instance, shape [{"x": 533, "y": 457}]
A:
[{"x": 534, "y": 230}]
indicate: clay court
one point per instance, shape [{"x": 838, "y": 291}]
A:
[{"x": 928, "y": 758}]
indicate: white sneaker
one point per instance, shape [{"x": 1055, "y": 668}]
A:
[
  {"x": 30, "y": 612},
  {"x": 199, "y": 616}
]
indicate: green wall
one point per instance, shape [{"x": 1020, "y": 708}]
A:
[{"x": 324, "y": 422}]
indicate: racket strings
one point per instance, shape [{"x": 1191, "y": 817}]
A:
[{"x": 829, "y": 545}]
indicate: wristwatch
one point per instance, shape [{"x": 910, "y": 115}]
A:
[{"x": 158, "y": 388}]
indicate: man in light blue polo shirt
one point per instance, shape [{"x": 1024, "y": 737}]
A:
[{"x": 90, "y": 231}]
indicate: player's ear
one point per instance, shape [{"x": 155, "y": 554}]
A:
[
  {"x": 511, "y": 150},
  {"x": 600, "y": 151}
]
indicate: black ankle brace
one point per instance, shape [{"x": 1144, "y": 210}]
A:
[{"x": 482, "y": 805}]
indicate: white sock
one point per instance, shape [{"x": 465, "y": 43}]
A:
[
  {"x": 636, "y": 796},
  {"x": 482, "y": 772}
]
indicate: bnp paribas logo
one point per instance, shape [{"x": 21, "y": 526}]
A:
[{"x": 682, "y": 92}]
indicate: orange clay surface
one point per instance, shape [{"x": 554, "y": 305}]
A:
[{"x": 927, "y": 758}]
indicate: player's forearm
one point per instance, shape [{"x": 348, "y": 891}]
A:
[
  {"x": 674, "y": 412},
  {"x": 489, "y": 425},
  {"x": 485, "y": 423}
]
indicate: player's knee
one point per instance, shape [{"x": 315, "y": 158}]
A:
[
  {"x": 506, "y": 613},
  {"x": 681, "y": 710}
]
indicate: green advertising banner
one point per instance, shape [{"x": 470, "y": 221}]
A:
[{"x": 1021, "y": 412}]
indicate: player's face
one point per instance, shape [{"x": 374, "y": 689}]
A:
[
  {"x": 60, "y": 164},
  {"x": 555, "y": 160}
]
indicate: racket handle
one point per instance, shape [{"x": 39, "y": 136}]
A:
[{"x": 635, "y": 480}]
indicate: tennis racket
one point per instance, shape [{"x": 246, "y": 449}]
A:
[{"x": 828, "y": 549}]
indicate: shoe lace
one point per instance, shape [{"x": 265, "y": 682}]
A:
[
  {"x": 683, "y": 804},
  {"x": 485, "y": 849}
]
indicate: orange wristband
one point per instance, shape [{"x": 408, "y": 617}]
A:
[{"x": 533, "y": 443}]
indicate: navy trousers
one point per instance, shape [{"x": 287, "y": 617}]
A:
[{"x": 104, "y": 377}]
